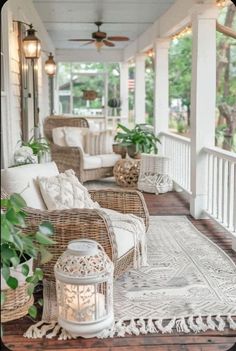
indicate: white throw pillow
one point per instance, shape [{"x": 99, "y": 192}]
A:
[
  {"x": 75, "y": 136},
  {"x": 64, "y": 191},
  {"x": 58, "y": 136}
]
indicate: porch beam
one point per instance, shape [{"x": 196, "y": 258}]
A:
[
  {"x": 161, "y": 89},
  {"x": 203, "y": 101},
  {"x": 124, "y": 89},
  {"x": 140, "y": 88}
]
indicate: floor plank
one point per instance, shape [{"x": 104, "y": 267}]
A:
[{"x": 171, "y": 203}]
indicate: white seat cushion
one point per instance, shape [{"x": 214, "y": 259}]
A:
[
  {"x": 23, "y": 178},
  {"x": 109, "y": 160},
  {"x": 58, "y": 136},
  {"x": 92, "y": 162}
]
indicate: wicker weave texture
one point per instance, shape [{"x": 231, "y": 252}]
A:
[
  {"x": 17, "y": 303},
  {"x": 72, "y": 157},
  {"x": 91, "y": 224},
  {"x": 154, "y": 174},
  {"x": 126, "y": 172}
]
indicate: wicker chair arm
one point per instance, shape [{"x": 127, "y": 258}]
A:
[
  {"x": 68, "y": 157},
  {"x": 70, "y": 225},
  {"x": 124, "y": 201}
]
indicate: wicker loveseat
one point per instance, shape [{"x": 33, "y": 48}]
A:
[
  {"x": 73, "y": 224},
  {"x": 74, "y": 157}
]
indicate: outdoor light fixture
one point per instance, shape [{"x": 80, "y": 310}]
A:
[
  {"x": 84, "y": 284},
  {"x": 221, "y": 3},
  {"x": 50, "y": 66},
  {"x": 99, "y": 45},
  {"x": 31, "y": 44}
]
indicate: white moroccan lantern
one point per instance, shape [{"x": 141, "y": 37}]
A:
[{"x": 84, "y": 282}]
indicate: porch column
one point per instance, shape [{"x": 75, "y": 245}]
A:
[
  {"x": 203, "y": 102},
  {"x": 140, "y": 94},
  {"x": 161, "y": 88},
  {"x": 124, "y": 89}
]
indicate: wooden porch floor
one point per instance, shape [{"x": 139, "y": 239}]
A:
[{"x": 166, "y": 204}]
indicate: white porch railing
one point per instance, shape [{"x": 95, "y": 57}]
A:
[
  {"x": 221, "y": 187},
  {"x": 177, "y": 148}
]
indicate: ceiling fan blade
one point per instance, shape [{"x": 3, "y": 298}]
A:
[
  {"x": 118, "y": 38},
  {"x": 108, "y": 43},
  {"x": 89, "y": 42},
  {"x": 80, "y": 39}
]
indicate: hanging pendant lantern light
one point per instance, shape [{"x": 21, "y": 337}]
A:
[
  {"x": 31, "y": 44},
  {"x": 50, "y": 65}
]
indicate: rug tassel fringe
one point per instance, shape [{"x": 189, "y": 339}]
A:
[
  {"x": 181, "y": 325},
  {"x": 221, "y": 324},
  {"x": 33, "y": 332},
  {"x": 136, "y": 327},
  {"x": 210, "y": 323},
  {"x": 141, "y": 323},
  {"x": 232, "y": 323},
  {"x": 202, "y": 326},
  {"x": 151, "y": 327}
]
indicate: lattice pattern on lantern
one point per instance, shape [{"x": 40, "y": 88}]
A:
[{"x": 84, "y": 284}]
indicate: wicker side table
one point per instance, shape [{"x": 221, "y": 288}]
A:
[
  {"x": 126, "y": 172},
  {"x": 154, "y": 174}
]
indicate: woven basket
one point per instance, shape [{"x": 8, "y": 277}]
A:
[
  {"x": 17, "y": 303},
  {"x": 119, "y": 149},
  {"x": 154, "y": 174}
]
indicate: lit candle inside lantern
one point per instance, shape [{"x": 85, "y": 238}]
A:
[{"x": 83, "y": 304}]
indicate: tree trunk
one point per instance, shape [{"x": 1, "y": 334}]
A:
[{"x": 229, "y": 114}]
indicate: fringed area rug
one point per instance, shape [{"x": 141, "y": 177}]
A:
[{"x": 189, "y": 286}]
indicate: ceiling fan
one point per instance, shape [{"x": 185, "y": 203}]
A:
[{"x": 100, "y": 38}]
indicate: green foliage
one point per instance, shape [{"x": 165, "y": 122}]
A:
[
  {"x": 18, "y": 245},
  {"x": 181, "y": 126},
  {"x": 38, "y": 146},
  {"x": 141, "y": 136},
  {"x": 180, "y": 62}
]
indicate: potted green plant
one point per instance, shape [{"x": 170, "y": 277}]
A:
[
  {"x": 39, "y": 146},
  {"x": 137, "y": 140},
  {"x": 19, "y": 248}
]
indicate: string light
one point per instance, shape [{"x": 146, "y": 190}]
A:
[
  {"x": 221, "y": 3},
  {"x": 150, "y": 53},
  {"x": 186, "y": 31}
]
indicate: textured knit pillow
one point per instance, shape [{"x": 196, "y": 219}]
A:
[{"x": 64, "y": 191}]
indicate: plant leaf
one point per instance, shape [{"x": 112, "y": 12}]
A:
[
  {"x": 25, "y": 269},
  {"x": 30, "y": 289},
  {"x": 17, "y": 201},
  {"x": 15, "y": 261},
  {"x": 40, "y": 302},
  {"x": 5, "y": 272},
  {"x": 39, "y": 273},
  {"x": 12, "y": 282},
  {"x": 32, "y": 311},
  {"x": 46, "y": 228},
  {"x": 43, "y": 239},
  {"x": 45, "y": 255}
]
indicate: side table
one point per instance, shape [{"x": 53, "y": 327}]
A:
[{"x": 126, "y": 172}]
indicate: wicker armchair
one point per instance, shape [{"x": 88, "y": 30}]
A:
[
  {"x": 72, "y": 157},
  {"x": 92, "y": 224}
]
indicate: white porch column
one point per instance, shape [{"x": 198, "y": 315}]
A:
[
  {"x": 203, "y": 101},
  {"x": 161, "y": 90},
  {"x": 139, "y": 109},
  {"x": 124, "y": 89}
]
